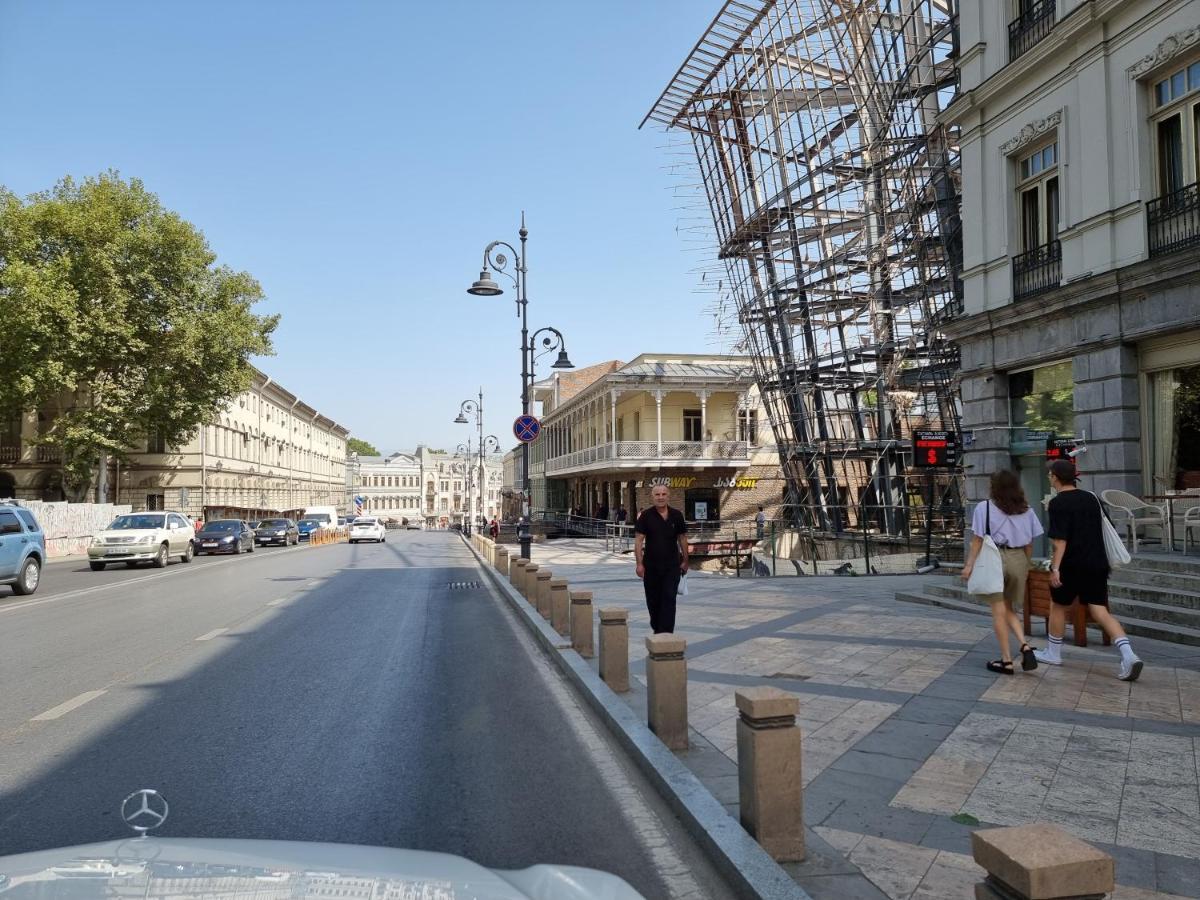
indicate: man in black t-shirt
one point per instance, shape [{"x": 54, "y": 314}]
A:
[{"x": 661, "y": 550}]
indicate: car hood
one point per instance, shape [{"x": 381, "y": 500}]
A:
[
  {"x": 135, "y": 533},
  {"x": 170, "y": 867},
  {"x": 214, "y": 535}
]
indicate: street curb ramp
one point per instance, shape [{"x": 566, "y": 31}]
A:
[{"x": 749, "y": 869}]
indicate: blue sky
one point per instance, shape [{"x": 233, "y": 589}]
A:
[{"x": 356, "y": 157}]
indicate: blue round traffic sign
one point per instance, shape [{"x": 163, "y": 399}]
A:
[{"x": 526, "y": 428}]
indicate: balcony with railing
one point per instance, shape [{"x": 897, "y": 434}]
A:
[
  {"x": 1027, "y": 29},
  {"x": 48, "y": 454},
  {"x": 1174, "y": 220},
  {"x": 10, "y": 453},
  {"x": 1037, "y": 271},
  {"x": 636, "y": 453}
]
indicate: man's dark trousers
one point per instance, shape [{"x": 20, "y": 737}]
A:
[{"x": 661, "y": 586}]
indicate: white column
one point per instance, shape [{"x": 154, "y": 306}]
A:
[
  {"x": 613, "y": 423},
  {"x": 658, "y": 398},
  {"x": 703, "y": 395}
]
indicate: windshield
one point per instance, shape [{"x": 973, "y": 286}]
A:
[
  {"x": 224, "y": 525},
  {"x": 322, "y": 518},
  {"x": 124, "y": 523},
  {"x": 273, "y": 523}
]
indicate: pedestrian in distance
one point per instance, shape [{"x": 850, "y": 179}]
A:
[
  {"x": 1079, "y": 568},
  {"x": 760, "y": 523},
  {"x": 494, "y": 529},
  {"x": 661, "y": 550},
  {"x": 1006, "y": 516},
  {"x": 622, "y": 514}
]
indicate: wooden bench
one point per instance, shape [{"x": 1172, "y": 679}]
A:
[{"x": 1038, "y": 603}]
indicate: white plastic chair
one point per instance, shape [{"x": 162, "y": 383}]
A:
[
  {"x": 1191, "y": 519},
  {"x": 1136, "y": 513}
]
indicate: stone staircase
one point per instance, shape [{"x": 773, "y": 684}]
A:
[{"x": 1155, "y": 596}]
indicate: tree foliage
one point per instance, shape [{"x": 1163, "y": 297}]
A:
[
  {"x": 361, "y": 447},
  {"x": 117, "y": 317}
]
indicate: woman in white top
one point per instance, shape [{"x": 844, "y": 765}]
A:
[{"x": 1013, "y": 526}]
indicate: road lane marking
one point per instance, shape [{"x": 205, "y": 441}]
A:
[
  {"x": 63, "y": 708},
  {"x": 175, "y": 570},
  {"x": 212, "y": 634},
  {"x": 278, "y": 601}
]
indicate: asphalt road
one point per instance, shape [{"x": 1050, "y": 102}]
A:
[{"x": 371, "y": 694}]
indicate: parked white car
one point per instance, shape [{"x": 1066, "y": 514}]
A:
[
  {"x": 367, "y": 528},
  {"x": 151, "y": 537}
]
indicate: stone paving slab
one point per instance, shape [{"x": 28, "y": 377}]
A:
[{"x": 904, "y": 728}]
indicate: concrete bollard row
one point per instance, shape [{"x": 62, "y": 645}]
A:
[
  {"x": 516, "y": 575},
  {"x": 500, "y": 560},
  {"x": 770, "y": 789},
  {"x": 614, "y": 648},
  {"x": 1031, "y": 862},
  {"x": 581, "y": 623},
  {"x": 666, "y": 689},
  {"x": 560, "y": 606},
  {"x": 541, "y": 592}
]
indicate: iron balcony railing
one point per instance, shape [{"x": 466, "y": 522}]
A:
[
  {"x": 1174, "y": 220},
  {"x": 738, "y": 451},
  {"x": 9, "y": 453},
  {"x": 1037, "y": 270},
  {"x": 1030, "y": 27},
  {"x": 48, "y": 455}
]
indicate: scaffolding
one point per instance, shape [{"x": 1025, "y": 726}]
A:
[{"x": 834, "y": 194}]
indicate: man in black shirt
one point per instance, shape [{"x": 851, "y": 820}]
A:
[{"x": 661, "y": 550}]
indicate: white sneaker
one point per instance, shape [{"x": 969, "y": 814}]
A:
[
  {"x": 1130, "y": 669},
  {"x": 1043, "y": 656}
]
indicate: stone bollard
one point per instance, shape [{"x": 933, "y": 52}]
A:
[
  {"x": 542, "y": 592},
  {"x": 1031, "y": 862},
  {"x": 517, "y": 574},
  {"x": 501, "y": 561},
  {"x": 581, "y": 623},
  {"x": 666, "y": 689},
  {"x": 614, "y": 647},
  {"x": 529, "y": 583},
  {"x": 560, "y": 606},
  {"x": 770, "y": 792}
]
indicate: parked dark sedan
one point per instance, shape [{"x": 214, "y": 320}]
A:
[
  {"x": 277, "y": 531},
  {"x": 225, "y": 536}
]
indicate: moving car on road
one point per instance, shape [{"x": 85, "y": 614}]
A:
[
  {"x": 22, "y": 548},
  {"x": 143, "y": 537},
  {"x": 225, "y": 536},
  {"x": 277, "y": 531},
  {"x": 305, "y": 527},
  {"x": 367, "y": 528}
]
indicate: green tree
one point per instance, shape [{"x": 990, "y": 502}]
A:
[
  {"x": 361, "y": 447},
  {"x": 118, "y": 319}
]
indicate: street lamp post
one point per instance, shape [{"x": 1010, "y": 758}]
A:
[{"x": 485, "y": 286}]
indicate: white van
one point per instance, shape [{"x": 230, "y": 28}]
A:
[{"x": 326, "y": 515}]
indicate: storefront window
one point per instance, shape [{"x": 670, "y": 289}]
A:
[
  {"x": 1043, "y": 400},
  {"x": 1175, "y": 428}
]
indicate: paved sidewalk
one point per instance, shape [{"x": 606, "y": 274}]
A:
[{"x": 909, "y": 740}]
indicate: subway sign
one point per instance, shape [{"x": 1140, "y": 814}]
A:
[
  {"x": 934, "y": 449},
  {"x": 687, "y": 481}
]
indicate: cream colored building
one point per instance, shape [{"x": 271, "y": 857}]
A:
[
  {"x": 610, "y": 433},
  {"x": 448, "y": 490},
  {"x": 1080, "y": 137},
  {"x": 265, "y": 452},
  {"x": 388, "y": 485}
]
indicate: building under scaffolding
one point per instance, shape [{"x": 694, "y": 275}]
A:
[{"x": 834, "y": 193}]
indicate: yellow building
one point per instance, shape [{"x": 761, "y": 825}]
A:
[{"x": 694, "y": 422}]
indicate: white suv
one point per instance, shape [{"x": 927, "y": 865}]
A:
[{"x": 143, "y": 537}]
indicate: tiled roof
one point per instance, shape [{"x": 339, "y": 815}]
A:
[
  {"x": 574, "y": 381},
  {"x": 688, "y": 370}
]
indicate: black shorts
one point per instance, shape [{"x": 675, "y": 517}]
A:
[{"x": 1090, "y": 586}]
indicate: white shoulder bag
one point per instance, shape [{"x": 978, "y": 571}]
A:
[
  {"x": 987, "y": 577},
  {"x": 1114, "y": 547}
]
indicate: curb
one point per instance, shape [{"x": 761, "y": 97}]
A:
[{"x": 750, "y": 871}]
